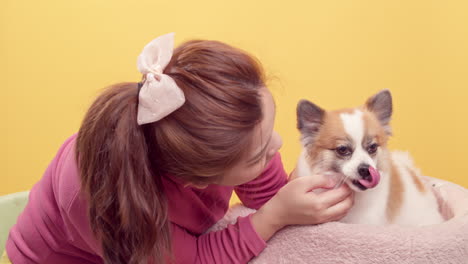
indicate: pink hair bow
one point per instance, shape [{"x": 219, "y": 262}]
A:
[{"x": 159, "y": 96}]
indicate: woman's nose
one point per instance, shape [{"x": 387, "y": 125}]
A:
[{"x": 276, "y": 144}]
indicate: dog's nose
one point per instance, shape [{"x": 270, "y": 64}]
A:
[{"x": 363, "y": 170}]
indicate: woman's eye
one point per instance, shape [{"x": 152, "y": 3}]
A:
[
  {"x": 372, "y": 148},
  {"x": 343, "y": 151}
]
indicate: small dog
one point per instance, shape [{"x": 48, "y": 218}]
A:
[{"x": 353, "y": 142}]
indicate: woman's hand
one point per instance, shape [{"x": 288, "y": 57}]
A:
[
  {"x": 292, "y": 175},
  {"x": 296, "y": 204}
]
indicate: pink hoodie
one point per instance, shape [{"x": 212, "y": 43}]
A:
[{"x": 54, "y": 226}]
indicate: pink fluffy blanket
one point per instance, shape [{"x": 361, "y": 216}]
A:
[{"x": 350, "y": 243}]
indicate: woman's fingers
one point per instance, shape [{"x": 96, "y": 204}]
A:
[
  {"x": 339, "y": 210},
  {"x": 309, "y": 183},
  {"x": 332, "y": 197},
  {"x": 292, "y": 175}
]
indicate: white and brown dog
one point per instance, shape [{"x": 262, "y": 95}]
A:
[{"x": 353, "y": 142}]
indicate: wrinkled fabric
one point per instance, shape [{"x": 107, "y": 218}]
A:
[{"x": 54, "y": 227}]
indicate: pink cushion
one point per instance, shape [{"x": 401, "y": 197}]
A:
[{"x": 350, "y": 243}]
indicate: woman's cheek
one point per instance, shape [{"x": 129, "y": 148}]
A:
[{"x": 257, "y": 170}]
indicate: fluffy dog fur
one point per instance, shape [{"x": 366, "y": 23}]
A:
[{"x": 353, "y": 142}]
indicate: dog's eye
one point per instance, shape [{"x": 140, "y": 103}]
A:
[
  {"x": 343, "y": 151},
  {"x": 372, "y": 148}
]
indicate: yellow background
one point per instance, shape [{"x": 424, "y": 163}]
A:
[{"x": 55, "y": 57}]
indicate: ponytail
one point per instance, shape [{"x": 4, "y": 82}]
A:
[
  {"x": 121, "y": 163},
  {"x": 127, "y": 207}
]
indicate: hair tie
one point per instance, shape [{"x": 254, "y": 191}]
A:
[{"x": 158, "y": 95}]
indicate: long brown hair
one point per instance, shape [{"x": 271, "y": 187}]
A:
[{"x": 121, "y": 163}]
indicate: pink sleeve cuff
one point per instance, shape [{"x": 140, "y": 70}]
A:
[{"x": 253, "y": 240}]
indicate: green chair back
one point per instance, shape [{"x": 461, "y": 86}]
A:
[{"x": 11, "y": 205}]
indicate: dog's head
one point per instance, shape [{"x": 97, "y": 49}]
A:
[{"x": 348, "y": 141}]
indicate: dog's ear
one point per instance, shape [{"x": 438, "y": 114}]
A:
[
  {"x": 309, "y": 120},
  {"x": 381, "y": 105}
]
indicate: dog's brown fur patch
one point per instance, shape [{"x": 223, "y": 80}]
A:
[
  {"x": 330, "y": 133},
  {"x": 417, "y": 180},
  {"x": 373, "y": 128},
  {"x": 395, "y": 199}
]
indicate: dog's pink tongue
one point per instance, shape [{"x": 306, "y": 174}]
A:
[{"x": 375, "y": 178}]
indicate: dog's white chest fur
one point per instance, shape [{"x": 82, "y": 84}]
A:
[{"x": 416, "y": 208}]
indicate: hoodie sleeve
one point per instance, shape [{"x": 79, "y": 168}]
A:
[
  {"x": 238, "y": 243},
  {"x": 257, "y": 192}
]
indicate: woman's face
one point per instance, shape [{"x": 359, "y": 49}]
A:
[{"x": 265, "y": 144}]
